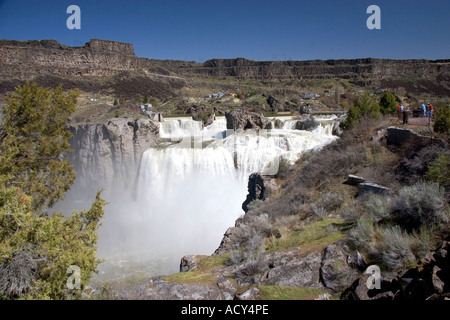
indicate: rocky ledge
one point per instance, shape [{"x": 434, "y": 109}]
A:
[{"x": 326, "y": 270}]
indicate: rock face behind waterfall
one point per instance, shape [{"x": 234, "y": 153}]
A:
[
  {"x": 107, "y": 155},
  {"x": 241, "y": 119}
]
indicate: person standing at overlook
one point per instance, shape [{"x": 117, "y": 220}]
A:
[{"x": 423, "y": 108}]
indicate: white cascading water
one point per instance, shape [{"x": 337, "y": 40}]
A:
[{"x": 190, "y": 188}]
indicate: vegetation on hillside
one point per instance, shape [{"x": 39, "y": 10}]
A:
[{"x": 313, "y": 208}]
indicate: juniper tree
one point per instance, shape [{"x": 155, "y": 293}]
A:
[
  {"x": 388, "y": 103},
  {"x": 34, "y": 141},
  {"x": 37, "y": 248}
]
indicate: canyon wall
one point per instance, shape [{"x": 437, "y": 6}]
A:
[
  {"x": 107, "y": 155},
  {"x": 99, "y": 58}
]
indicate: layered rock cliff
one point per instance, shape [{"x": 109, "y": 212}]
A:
[
  {"x": 107, "y": 155},
  {"x": 99, "y": 58},
  {"x": 99, "y": 66}
]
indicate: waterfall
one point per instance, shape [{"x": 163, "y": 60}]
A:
[{"x": 191, "y": 186}]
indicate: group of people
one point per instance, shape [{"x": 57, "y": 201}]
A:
[{"x": 427, "y": 110}]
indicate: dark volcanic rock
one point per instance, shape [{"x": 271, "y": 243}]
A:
[
  {"x": 240, "y": 119},
  {"x": 255, "y": 189},
  {"x": 307, "y": 124},
  {"x": 429, "y": 281}
]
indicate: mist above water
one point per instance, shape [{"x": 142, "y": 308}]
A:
[{"x": 189, "y": 191}]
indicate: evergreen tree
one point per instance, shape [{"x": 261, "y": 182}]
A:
[
  {"x": 34, "y": 141},
  {"x": 37, "y": 249},
  {"x": 362, "y": 107},
  {"x": 388, "y": 103}
]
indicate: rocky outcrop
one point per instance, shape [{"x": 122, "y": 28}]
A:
[
  {"x": 255, "y": 189},
  {"x": 307, "y": 124},
  {"x": 107, "y": 155},
  {"x": 97, "y": 58},
  {"x": 241, "y": 120},
  {"x": 326, "y": 269}
]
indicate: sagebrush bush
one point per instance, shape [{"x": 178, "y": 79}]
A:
[
  {"x": 252, "y": 248},
  {"x": 334, "y": 161},
  {"x": 274, "y": 208},
  {"x": 422, "y": 204},
  {"x": 394, "y": 247},
  {"x": 389, "y": 245},
  {"x": 363, "y": 236},
  {"x": 377, "y": 207},
  {"x": 396, "y": 231}
]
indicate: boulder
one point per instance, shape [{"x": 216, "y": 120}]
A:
[
  {"x": 188, "y": 263},
  {"x": 241, "y": 120},
  {"x": 274, "y": 104},
  {"x": 250, "y": 294},
  {"x": 365, "y": 186},
  {"x": 228, "y": 241},
  {"x": 227, "y": 288},
  {"x": 336, "y": 274},
  {"x": 287, "y": 269},
  {"x": 307, "y": 124},
  {"x": 356, "y": 261}
]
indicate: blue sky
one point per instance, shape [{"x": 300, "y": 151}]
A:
[{"x": 197, "y": 30}]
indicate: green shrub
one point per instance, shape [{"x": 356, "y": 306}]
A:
[
  {"x": 362, "y": 107},
  {"x": 439, "y": 171},
  {"x": 388, "y": 103},
  {"x": 442, "y": 119},
  {"x": 34, "y": 140}
]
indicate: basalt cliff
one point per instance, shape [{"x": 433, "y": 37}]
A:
[{"x": 48, "y": 62}]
